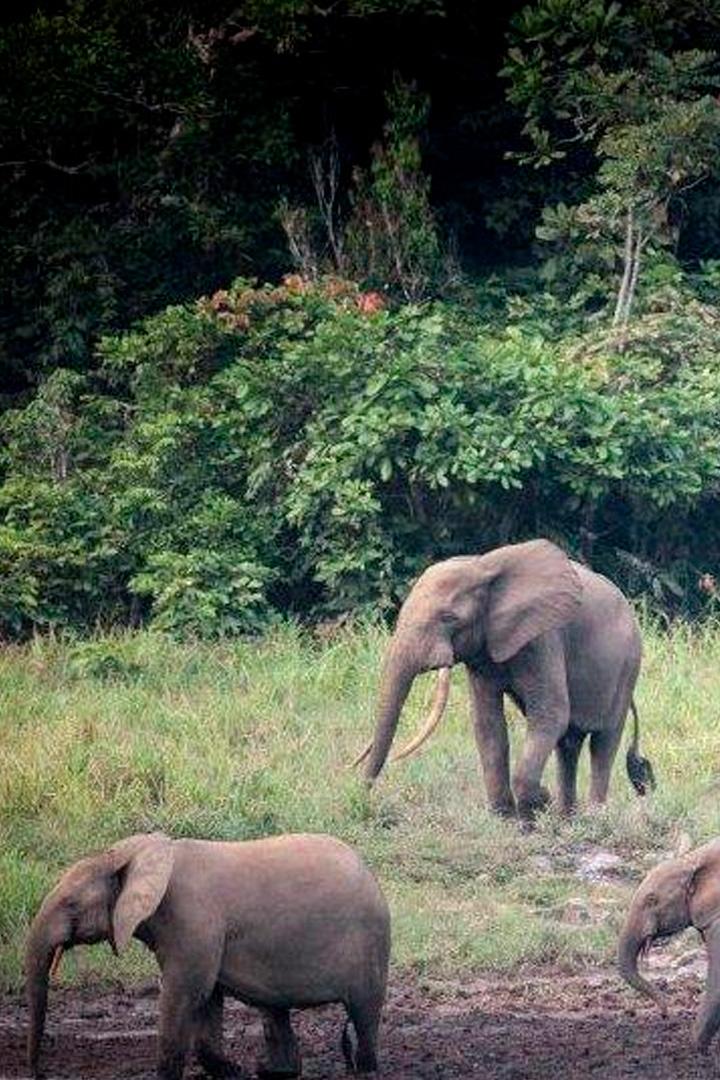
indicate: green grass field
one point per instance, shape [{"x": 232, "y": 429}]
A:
[{"x": 130, "y": 733}]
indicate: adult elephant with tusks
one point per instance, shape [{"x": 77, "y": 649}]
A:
[{"x": 559, "y": 639}]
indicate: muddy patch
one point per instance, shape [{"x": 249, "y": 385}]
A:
[{"x": 537, "y": 1026}]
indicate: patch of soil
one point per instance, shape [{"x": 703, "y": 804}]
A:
[{"x": 537, "y": 1026}]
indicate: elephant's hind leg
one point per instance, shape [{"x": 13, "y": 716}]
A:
[
  {"x": 365, "y": 1016},
  {"x": 568, "y": 752},
  {"x": 282, "y": 1053},
  {"x": 209, "y": 1039},
  {"x": 603, "y": 748}
]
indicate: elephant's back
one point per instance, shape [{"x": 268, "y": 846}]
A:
[
  {"x": 602, "y": 600},
  {"x": 307, "y": 921},
  {"x": 603, "y": 650},
  {"x": 308, "y": 864}
]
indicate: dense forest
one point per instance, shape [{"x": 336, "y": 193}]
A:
[{"x": 298, "y": 297}]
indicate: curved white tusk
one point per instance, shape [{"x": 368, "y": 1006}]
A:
[
  {"x": 438, "y": 708},
  {"x": 362, "y": 755}
]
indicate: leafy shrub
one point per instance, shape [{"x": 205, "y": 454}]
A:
[
  {"x": 305, "y": 449},
  {"x": 204, "y": 593},
  {"x": 102, "y": 660}
]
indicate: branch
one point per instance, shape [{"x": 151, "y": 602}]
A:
[
  {"x": 49, "y": 163},
  {"x": 162, "y": 106},
  {"x": 691, "y": 184},
  {"x": 640, "y": 242},
  {"x": 325, "y": 174}
]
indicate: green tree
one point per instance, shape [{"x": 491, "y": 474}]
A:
[
  {"x": 605, "y": 77},
  {"x": 382, "y": 231},
  {"x": 294, "y": 449}
]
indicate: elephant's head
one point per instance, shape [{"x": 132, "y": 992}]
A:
[
  {"x": 464, "y": 608},
  {"x": 676, "y": 894},
  {"x": 101, "y": 898}
]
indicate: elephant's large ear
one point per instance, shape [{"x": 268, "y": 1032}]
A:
[
  {"x": 704, "y": 892},
  {"x": 144, "y": 864},
  {"x": 535, "y": 589}
]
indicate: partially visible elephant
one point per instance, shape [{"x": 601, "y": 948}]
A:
[
  {"x": 561, "y": 640},
  {"x": 678, "y": 893},
  {"x": 291, "y": 921}
]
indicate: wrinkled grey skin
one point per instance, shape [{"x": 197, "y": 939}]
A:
[
  {"x": 677, "y": 894},
  {"x": 291, "y": 921},
  {"x": 561, "y": 640}
]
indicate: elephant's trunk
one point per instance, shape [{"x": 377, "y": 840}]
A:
[
  {"x": 708, "y": 1018},
  {"x": 42, "y": 952},
  {"x": 397, "y": 678},
  {"x": 629, "y": 949}
]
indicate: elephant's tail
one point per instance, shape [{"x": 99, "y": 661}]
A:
[{"x": 639, "y": 769}]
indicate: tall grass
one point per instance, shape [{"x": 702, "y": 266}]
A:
[{"x": 135, "y": 732}]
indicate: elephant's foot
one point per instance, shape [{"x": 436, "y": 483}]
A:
[
  {"x": 217, "y": 1066},
  {"x": 366, "y": 1063},
  {"x": 531, "y": 804},
  {"x": 280, "y": 1061},
  {"x": 170, "y": 1066},
  {"x": 504, "y": 808}
]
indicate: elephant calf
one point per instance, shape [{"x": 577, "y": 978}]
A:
[
  {"x": 290, "y": 921},
  {"x": 676, "y": 894}
]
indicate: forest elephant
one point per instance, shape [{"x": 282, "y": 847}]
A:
[
  {"x": 676, "y": 894},
  {"x": 526, "y": 621},
  {"x": 290, "y": 921}
]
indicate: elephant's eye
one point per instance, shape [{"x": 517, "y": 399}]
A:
[
  {"x": 448, "y": 617},
  {"x": 651, "y": 900}
]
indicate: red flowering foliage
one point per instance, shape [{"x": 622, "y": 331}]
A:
[
  {"x": 237, "y": 306},
  {"x": 370, "y": 302}
]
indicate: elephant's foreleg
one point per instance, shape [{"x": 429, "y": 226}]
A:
[
  {"x": 568, "y": 752},
  {"x": 531, "y": 796},
  {"x": 540, "y": 681},
  {"x": 178, "y": 1012},
  {"x": 209, "y": 1039},
  {"x": 603, "y": 748},
  {"x": 491, "y": 737},
  {"x": 188, "y": 981},
  {"x": 282, "y": 1053}
]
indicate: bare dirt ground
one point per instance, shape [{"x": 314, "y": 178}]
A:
[{"x": 535, "y": 1027}]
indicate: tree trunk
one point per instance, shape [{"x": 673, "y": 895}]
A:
[
  {"x": 635, "y": 241},
  {"x": 627, "y": 269}
]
